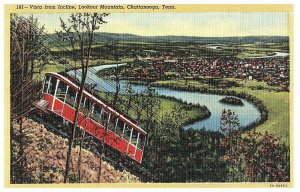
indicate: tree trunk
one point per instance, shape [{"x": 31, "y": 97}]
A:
[
  {"x": 116, "y": 96},
  {"x": 83, "y": 78},
  {"x": 79, "y": 157},
  {"x": 71, "y": 140},
  {"x": 100, "y": 166}
]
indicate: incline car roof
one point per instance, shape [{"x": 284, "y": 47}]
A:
[{"x": 96, "y": 99}]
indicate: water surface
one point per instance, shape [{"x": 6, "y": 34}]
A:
[{"x": 247, "y": 113}]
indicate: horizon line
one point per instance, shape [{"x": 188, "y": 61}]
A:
[{"x": 186, "y": 35}]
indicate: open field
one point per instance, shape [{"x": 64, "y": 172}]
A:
[
  {"x": 181, "y": 83},
  {"x": 192, "y": 113},
  {"x": 278, "y": 105}
]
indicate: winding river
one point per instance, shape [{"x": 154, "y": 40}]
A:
[
  {"x": 275, "y": 54},
  {"x": 247, "y": 113}
]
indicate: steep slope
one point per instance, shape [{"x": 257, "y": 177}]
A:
[{"x": 45, "y": 158}]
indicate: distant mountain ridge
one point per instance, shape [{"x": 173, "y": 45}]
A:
[
  {"x": 170, "y": 38},
  {"x": 101, "y": 37}
]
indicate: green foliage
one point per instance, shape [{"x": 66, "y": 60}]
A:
[
  {"x": 232, "y": 101},
  {"x": 256, "y": 157},
  {"x": 253, "y": 157},
  {"x": 229, "y": 122},
  {"x": 27, "y": 58},
  {"x": 273, "y": 105},
  {"x": 177, "y": 155}
]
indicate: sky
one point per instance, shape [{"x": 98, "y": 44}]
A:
[{"x": 207, "y": 24}]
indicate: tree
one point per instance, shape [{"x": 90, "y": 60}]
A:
[
  {"x": 138, "y": 107},
  {"x": 130, "y": 93},
  {"x": 27, "y": 58},
  {"x": 117, "y": 82},
  {"x": 111, "y": 46},
  {"x": 163, "y": 145},
  {"x": 152, "y": 104},
  {"x": 80, "y": 31},
  {"x": 252, "y": 156},
  {"x": 229, "y": 127},
  {"x": 229, "y": 122},
  {"x": 262, "y": 158},
  {"x": 66, "y": 34}
]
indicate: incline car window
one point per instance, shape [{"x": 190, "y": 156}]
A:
[
  {"x": 46, "y": 83},
  {"x": 104, "y": 118},
  {"x": 88, "y": 104},
  {"x": 120, "y": 127},
  {"x": 127, "y": 133},
  {"x": 141, "y": 142},
  {"x": 134, "y": 137},
  {"x": 112, "y": 122},
  {"x": 61, "y": 91},
  {"x": 71, "y": 95},
  {"x": 96, "y": 113},
  {"x": 52, "y": 86},
  {"x": 85, "y": 105}
]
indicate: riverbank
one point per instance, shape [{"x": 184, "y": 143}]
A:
[
  {"x": 273, "y": 104},
  {"x": 226, "y": 92},
  {"x": 193, "y": 112},
  {"x": 211, "y": 100}
]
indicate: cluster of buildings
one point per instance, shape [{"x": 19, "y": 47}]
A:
[{"x": 273, "y": 70}]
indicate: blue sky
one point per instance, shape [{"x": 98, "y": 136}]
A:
[{"x": 209, "y": 24}]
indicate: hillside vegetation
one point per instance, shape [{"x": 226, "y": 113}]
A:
[{"x": 45, "y": 159}]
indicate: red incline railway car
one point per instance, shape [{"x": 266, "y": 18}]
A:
[{"x": 60, "y": 94}]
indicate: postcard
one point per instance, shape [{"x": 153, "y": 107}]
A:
[{"x": 140, "y": 95}]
